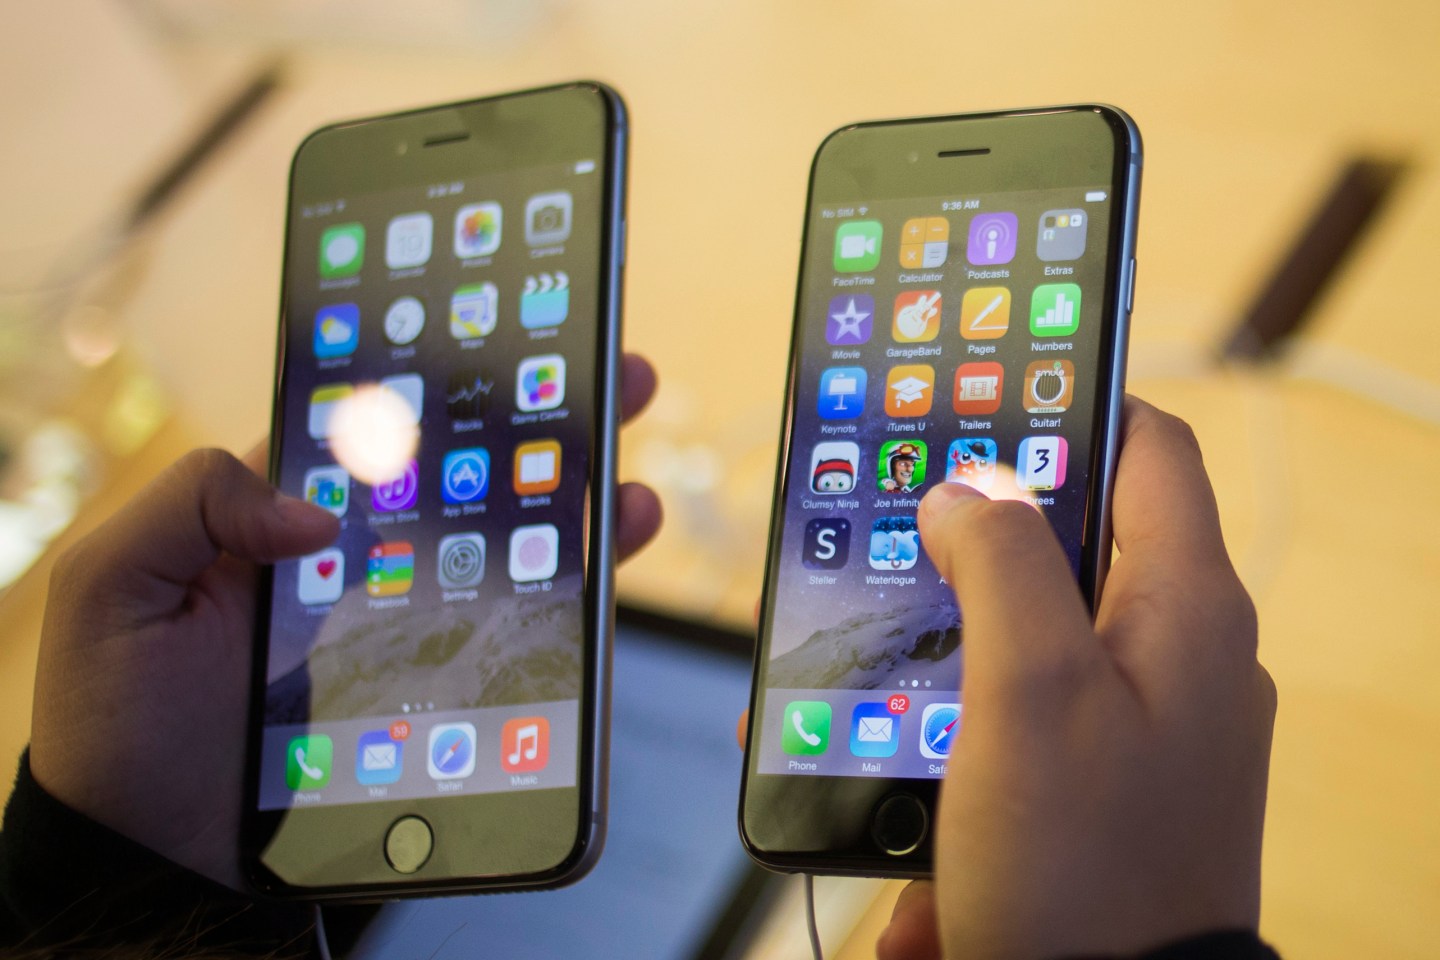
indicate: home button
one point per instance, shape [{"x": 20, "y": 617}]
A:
[
  {"x": 899, "y": 824},
  {"x": 408, "y": 844}
]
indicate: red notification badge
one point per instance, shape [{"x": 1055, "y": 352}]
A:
[
  {"x": 400, "y": 730},
  {"x": 899, "y": 703}
]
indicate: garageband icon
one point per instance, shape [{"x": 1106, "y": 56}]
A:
[{"x": 525, "y": 745}]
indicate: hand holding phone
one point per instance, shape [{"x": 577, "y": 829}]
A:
[
  {"x": 1107, "y": 794},
  {"x": 961, "y": 318}
]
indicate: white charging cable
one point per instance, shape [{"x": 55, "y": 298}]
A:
[{"x": 815, "y": 950}]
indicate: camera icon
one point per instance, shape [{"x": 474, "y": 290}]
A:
[{"x": 547, "y": 218}]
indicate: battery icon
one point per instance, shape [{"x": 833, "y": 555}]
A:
[
  {"x": 585, "y": 166},
  {"x": 1095, "y": 196}
]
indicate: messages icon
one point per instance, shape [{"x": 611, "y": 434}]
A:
[{"x": 342, "y": 251}]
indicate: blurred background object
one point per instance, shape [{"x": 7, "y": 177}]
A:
[{"x": 122, "y": 344}]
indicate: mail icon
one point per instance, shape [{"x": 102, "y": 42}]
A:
[
  {"x": 379, "y": 756},
  {"x": 876, "y": 729}
]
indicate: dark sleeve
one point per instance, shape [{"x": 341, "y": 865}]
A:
[
  {"x": 1219, "y": 945},
  {"x": 1216, "y": 945},
  {"x": 67, "y": 881}
]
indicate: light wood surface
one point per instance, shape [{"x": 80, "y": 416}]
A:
[{"x": 1324, "y": 464}]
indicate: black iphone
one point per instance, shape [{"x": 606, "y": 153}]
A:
[
  {"x": 962, "y": 315},
  {"x": 429, "y": 695}
]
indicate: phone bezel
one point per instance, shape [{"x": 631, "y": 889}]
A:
[
  {"x": 329, "y": 156},
  {"x": 821, "y": 824}
]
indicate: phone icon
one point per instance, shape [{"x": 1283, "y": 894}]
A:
[
  {"x": 1040, "y": 464},
  {"x": 465, "y": 475},
  {"x": 833, "y": 465},
  {"x": 474, "y": 311},
  {"x": 308, "y": 762},
  {"x": 537, "y": 467},
  {"x": 985, "y": 313},
  {"x": 894, "y": 543},
  {"x": 452, "y": 751},
  {"x": 924, "y": 242},
  {"x": 408, "y": 239},
  {"x": 1049, "y": 386},
  {"x": 827, "y": 543},
  {"x": 322, "y": 577},
  {"x": 938, "y": 726},
  {"x": 525, "y": 744},
  {"x": 874, "y": 730},
  {"x": 342, "y": 251},
  {"x": 390, "y": 569},
  {"x": 337, "y": 331},
  {"x": 850, "y": 319},
  {"x": 842, "y": 393},
  {"x": 909, "y": 389},
  {"x": 978, "y": 387},
  {"x": 857, "y": 246},
  {"x": 805, "y": 729},
  {"x": 378, "y": 758},
  {"x": 477, "y": 230},
  {"x": 992, "y": 238},
  {"x": 1055, "y": 310},
  {"x": 328, "y": 487},
  {"x": 540, "y": 383},
  {"x": 917, "y": 316}
]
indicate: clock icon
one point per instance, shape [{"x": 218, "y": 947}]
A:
[{"x": 404, "y": 320}]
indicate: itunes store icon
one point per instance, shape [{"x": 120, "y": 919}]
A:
[{"x": 398, "y": 494}]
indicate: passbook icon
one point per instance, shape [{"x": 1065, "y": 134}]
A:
[{"x": 874, "y": 730}]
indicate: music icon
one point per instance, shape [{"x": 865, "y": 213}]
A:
[{"x": 525, "y": 744}]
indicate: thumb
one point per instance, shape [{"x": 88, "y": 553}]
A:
[
  {"x": 205, "y": 504},
  {"x": 1021, "y": 609}
]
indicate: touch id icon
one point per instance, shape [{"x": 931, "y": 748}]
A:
[
  {"x": 534, "y": 552},
  {"x": 525, "y": 744},
  {"x": 1040, "y": 464},
  {"x": 451, "y": 755},
  {"x": 806, "y": 728},
  {"x": 827, "y": 543}
]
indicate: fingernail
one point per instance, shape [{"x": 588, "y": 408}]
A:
[
  {"x": 293, "y": 510},
  {"x": 943, "y": 496}
]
